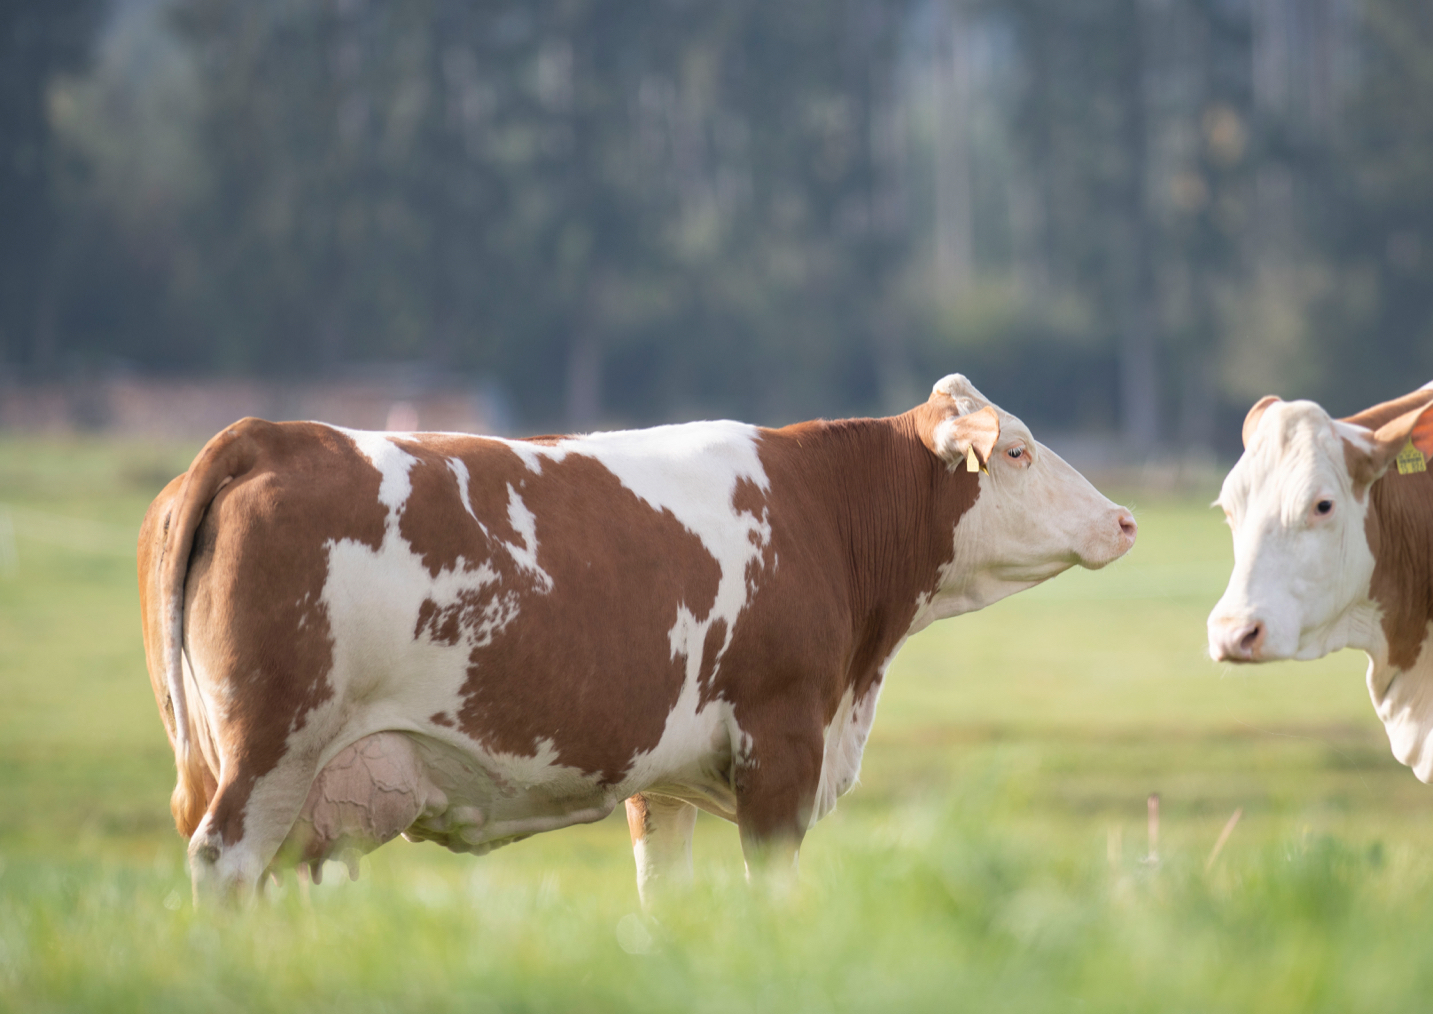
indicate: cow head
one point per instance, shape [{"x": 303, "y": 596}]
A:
[
  {"x": 1034, "y": 516},
  {"x": 1297, "y": 502}
]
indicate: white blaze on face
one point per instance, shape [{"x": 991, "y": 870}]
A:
[
  {"x": 1035, "y": 517},
  {"x": 1302, "y": 563}
]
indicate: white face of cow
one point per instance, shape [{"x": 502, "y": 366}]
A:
[
  {"x": 1035, "y": 517},
  {"x": 1301, "y": 558},
  {"x": 1297, "y": 502}
]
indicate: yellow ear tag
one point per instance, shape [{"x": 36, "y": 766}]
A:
[
  {"x": 972, "y": 461},
  {"x": 1411, "y": 460}
]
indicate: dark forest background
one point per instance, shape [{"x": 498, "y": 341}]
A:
[{"x": 1128, "y": 217}]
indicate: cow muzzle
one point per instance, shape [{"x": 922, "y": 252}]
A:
[
  {"x": 1236, "y": 639},
  {"x": 1128, "y": 531},
  {"x": 1115, "y": 537}
]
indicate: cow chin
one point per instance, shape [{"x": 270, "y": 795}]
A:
[
  {"x": 1020, "y": 576},
  {"x": 1101, "y": 560}
]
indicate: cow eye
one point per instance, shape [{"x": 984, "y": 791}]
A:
[
  {"x": 1016, "y": 452},
  {"x": 1323, "y": 506}
]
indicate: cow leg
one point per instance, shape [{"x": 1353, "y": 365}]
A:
[
  {"x": 661, "y": 829},
  {"x": 246, "y": 822},
  {"x": 775, "y": 792}
]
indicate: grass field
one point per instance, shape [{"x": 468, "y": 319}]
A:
[{"x": 994, "y": 857}]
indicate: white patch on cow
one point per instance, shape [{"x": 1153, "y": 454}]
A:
[
  {"x": 525, "y": 525},
  {"x": 695, "y": 754},
  {"x": 961, "y": 391},
  {"x": 845, "y": 737},
  {"x": 1403, "y": 699},
  {"x": 393, "y": 464},
  {"x": 523, "y": 772},
  {"x": 459, "y": 468},
  {"x": 532, "y": 454},
  {"x": 200, "y": 691},
  {"x": 945, "y": 443},
  {"x": 845, "y": 742}
]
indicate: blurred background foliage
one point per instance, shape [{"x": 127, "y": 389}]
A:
[{"x": 1127, "y": 217}]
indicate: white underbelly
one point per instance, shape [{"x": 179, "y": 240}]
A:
[{"x": 440, "y": 787}]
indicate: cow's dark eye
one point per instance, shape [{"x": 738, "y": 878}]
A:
[
  {"x": 1324, "y": 506},
  {"x": 1016, "y": 452}
]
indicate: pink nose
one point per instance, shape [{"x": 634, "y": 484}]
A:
[
  {"x": 1238, "y": 642},
  {"x": 1128, "y": 529}
]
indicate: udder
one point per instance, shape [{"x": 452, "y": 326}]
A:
[
  {"x": 389, "y": 783},
  {"x": 367, "y": 795}
]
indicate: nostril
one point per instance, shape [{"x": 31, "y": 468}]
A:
[
  {"x": 1251, "y": 640},
  {"x": 1127, "y": 525}
]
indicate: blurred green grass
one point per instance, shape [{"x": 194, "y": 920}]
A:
[{"x": 992, "y": 859}]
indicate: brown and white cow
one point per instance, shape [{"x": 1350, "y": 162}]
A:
[
  {"x": 470, "y": 640},
  {"x": 1333, "y": 548}
]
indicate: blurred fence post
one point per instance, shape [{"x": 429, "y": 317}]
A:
[{"x": 1223, "y": 837}]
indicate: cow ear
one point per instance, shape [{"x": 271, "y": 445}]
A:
[
  {"x": 1251, "y": 421},
  {"x": 1391, "y": 440},
  {"x": 970, "y": 437}
]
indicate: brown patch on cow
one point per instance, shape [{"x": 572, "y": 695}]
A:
[
  {"x": 863, "y": 515},
  {"x": 1379, "y": 415},
  {"x": 254, "y": 619},
  {"x": 1399, "y": 527},
  {"x": 440, "y": 624},
  {"x": 436, "y": 524},
  {"x": 152, "y": 532},
  {"x": 620, "y": 571},
  {"x": 1360, "y": 469},
  {"x": 588, "y": 662},
  {"x": 443, "y": 718},
  {"x": 638, "y": 818}
]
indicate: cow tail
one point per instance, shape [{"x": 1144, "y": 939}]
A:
[{"x": 226, "y": 456}]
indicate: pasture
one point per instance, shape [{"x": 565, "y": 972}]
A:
[{"x": 995, "y": 856}]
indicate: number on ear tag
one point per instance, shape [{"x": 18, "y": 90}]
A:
[{"x": 1410, "y": 459}]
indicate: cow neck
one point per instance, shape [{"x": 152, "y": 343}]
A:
[{"x": 891, "y": 514}]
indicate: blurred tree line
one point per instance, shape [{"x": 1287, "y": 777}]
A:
[{"x": 1129, "y": 216}]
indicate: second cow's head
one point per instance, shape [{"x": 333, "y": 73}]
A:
[{"x": 1298, "y": 503}]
